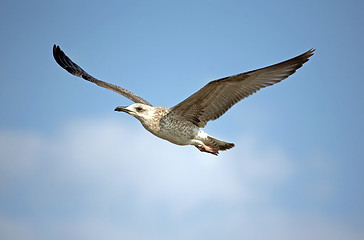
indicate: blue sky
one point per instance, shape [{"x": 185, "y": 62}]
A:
[{"x": 72, "y": 168}]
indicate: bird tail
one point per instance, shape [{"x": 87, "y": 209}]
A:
[{"x": 218, "y": 144}]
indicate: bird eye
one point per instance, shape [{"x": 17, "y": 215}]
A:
[{"x": 138, "y": 109}]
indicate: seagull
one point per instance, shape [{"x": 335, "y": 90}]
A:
[{"x": 182, "y": 123}]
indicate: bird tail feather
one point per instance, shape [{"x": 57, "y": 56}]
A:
[{"x": 218, "y": 144}]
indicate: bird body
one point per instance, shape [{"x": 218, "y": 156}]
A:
[
  {"x": 182, "y": 123},
  {"x": 164, "y": 124}
]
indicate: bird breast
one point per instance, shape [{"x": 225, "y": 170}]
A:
[
  {"x": 177, "y": 131},
  {"x": 170, "y": 127}
]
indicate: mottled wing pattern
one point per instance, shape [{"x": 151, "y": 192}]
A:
[
  {"x": 215, "y": 98},
  {"x": 66, "y": 63}
]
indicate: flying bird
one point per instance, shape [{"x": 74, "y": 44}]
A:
[{"x": 182, "y": 123}]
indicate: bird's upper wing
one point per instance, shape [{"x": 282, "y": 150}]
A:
[
  {"x": 66, "y": 63},
  {"x": 216, "y": 97}
]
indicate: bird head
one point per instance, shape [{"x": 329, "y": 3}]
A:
[{"x": 140, "y": 111}]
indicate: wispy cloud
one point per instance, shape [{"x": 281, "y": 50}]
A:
[{"x": 93, "y": 178}]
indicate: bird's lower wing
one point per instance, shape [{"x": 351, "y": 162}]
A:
[
  {"x": 218, "y": 96},
  {"x": 66, "y": 63}
]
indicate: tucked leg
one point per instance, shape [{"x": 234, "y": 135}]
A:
[{"x": 204, "y": 148}]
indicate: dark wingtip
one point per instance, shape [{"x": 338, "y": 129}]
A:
[
  {"x": 310, "y": 52},
  {"x": 66, "y": 63},
  {"x": 57, "y": 53},
  {"x": 55, "y": 50}
]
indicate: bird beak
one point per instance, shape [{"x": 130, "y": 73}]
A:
[{"x": 122, "y": 109}]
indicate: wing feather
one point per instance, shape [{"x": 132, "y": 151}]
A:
[
  {"x": 71, "y": 67},
  {"x": 218, "y": 96}
]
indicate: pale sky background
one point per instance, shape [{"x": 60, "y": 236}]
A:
[{"x": 72, "y": 168}]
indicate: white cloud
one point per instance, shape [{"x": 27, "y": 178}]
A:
[
  {"x": 19, "y": 153},
  {"x": 94, "y": 179}
]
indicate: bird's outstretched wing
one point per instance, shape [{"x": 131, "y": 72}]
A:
[
  {"x": 216, "y": 97},
  {"x": 66, "y": 63}
]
